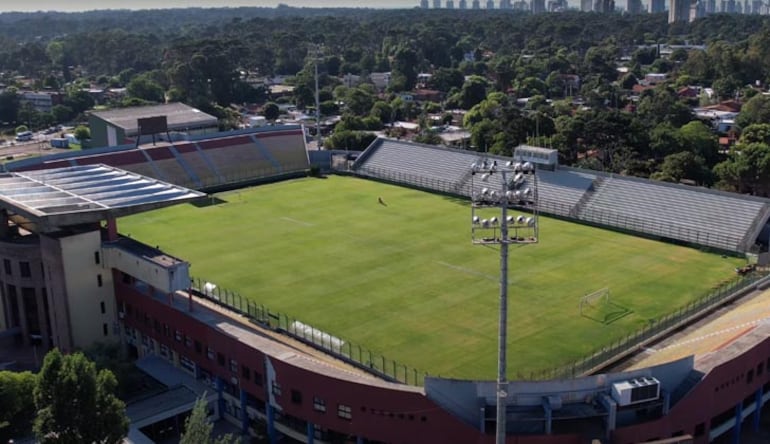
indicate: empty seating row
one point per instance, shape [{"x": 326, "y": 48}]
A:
[
  {"x": 694, "y": 215},
  {"x": 722, "y": 220}
]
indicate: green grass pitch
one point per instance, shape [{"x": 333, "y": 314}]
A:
[{"x": 404, "y": 280}]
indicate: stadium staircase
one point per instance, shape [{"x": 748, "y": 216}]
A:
[
  {"x": 266, "y": 153},
  {"x": 756, "y": 228},
  {"x": 208, "y": 162},
  {"x": 577, "y": 210},
  {"x": 158, "y": 173},
  {"x": 689, "y": 383},
  {"x": 185, "y": 166}
]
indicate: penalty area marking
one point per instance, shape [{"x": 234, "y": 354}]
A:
[
  {"x": 298, "y": 222},
  {"x": 469, "y": 271}
]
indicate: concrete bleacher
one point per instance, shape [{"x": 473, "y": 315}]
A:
[
  {"x": 418, "y": 165},
  {"x": 693, "y": 215},
  {"x": 282, "y": 148},
  {"x": 237, "y": 162},
  {"x": 202, "y": 162}
]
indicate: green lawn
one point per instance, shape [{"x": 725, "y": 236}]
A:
[{"x": 405, "y": 280}]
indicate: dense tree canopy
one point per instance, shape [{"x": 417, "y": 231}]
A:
[{"x": 77, "y": 404}]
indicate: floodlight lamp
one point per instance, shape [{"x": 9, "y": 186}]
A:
[
  {"x": 517, "y": 195},
  {"x": 520, "y": 219},
  {"x": 484, "y": 191},
  {"x": 474, "y": 166},
  {"x": 517, "y": 167},
  {"x": 528, "y": 192},
  {"x": 518, "y": 178},
  {"x": 485, "y": 177},
  {"x": 493, "y": 221},
  {"x": 485, "y": 223},
  {"x": 527, "y": 167},
  {"x": 510, "y": 220},
  {"x": 476, "y": 220},
  {"x": 530, "y": 221},
  {"x": 510, "y": 195},
  {"x": 509, "y": 164}
]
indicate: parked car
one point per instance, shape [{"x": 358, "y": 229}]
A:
[{"x": 24, "y": 136}]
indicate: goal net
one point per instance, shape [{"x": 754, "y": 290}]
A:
[{"x": 595, "y": 300}]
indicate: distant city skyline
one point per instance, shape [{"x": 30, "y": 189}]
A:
[{"x": 87, "y": 5}]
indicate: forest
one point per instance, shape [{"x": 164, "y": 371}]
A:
[{"x": 511, "y": 74}]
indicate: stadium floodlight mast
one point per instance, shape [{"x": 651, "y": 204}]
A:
[
  {"x": 517, "y": 189},
  {"x": 316, "y": 51}
]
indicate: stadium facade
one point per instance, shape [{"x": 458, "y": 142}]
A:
[{"x": 69, "y": 279}]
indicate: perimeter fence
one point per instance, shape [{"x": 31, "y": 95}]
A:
[{"x": 346, "y": 351}]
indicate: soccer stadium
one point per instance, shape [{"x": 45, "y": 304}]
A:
[{"x": 353, "y": 306}]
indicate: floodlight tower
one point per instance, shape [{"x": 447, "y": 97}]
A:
[
  {"x": 316, "y": 51},
  {"x": 517, "y": 188}
]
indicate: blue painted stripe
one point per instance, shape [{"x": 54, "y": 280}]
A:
[
  {"x": 208, "y": 162},
  {"x": 266, "y": 153},
  {"x": 185, "y": 165}
]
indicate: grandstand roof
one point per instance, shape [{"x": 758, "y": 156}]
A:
[
  {"x": 76, "y": 195},
  {"x": 179, "y": 115}
]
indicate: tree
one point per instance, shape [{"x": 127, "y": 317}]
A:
[
  {"x": 756, "y": 110},
  {"x": 198, "y": 429},
  {"x": 82, "y": 133},
  {"x": 698, "y": 139},
  {"x": 18, "y": 407},
  {"x": 747, "y": 170},
  {"x": 271, "y": 112},
  {"x": 756, "y": 133},
  {"x": 683, "y": 165},
  {"x": 143, "y": 87},
  {"x": 77, "y": 404}
]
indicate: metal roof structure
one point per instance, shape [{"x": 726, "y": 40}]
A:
[
  {"x": 179, "y": 115},
  {"x": 69, "y": 196}
]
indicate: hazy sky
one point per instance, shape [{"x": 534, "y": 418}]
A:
[{"x": 84, "y": 5}]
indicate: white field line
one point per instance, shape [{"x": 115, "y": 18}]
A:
[
  {"x": 469, "y": 271},
  {"x": 298, "y": 222}
]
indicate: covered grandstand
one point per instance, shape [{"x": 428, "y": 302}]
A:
[
  {"x": 692, "y": 215},
  {"x": 204, "y": 162}
]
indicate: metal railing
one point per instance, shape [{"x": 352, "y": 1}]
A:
[
  {"x": 653, "y": 330},
  {"x": 346, "y": 351},
  {"x": 609, "y": 219}
]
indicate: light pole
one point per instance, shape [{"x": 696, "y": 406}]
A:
[
  {"x": 316, "y": 51},
  {"x": 518, "y": 188}
]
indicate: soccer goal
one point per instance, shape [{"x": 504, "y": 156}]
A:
[{"x": 592, "y": 301}]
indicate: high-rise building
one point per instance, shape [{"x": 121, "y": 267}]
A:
[
  {"x": 505, "y": 4},
  {"x": 604, "y": 6},
  {"x": 490, "y": 4},
  {"x": 679, "y": 11},
  {"x": 756, "y": 6},
  {"x": 658, "y": 6},
  {"x": 537, "y": 6},
  {"x": 711, "y": 6},
  {"x": 436, "y": 4},
  {"x": 476, "y": 4},
  {"x": 586, "y": 5},
  {"x": 450, "y": 4},
  {"x": 634, "y": 6},
  {"x": 463, "y": 4},
  {"x": 424, "y": 4}
]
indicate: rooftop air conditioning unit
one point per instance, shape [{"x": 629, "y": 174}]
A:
[{"x": 635, "y": 391}]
